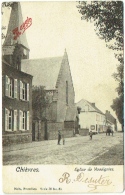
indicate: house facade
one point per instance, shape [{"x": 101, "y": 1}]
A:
[
  {"x": 16, "y": 86},
  {"x": 91, "y": 117}
]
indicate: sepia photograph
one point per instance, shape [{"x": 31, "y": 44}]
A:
[{"x": 62, "y": 96}]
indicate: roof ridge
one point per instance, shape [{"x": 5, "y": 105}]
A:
[{"x": 42, "y": 58}]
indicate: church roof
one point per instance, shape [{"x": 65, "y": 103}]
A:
[
  {"x": 71, "y": 113},
  {"x": 45, "y": 71},
  {"x": 16, "y": 20}
]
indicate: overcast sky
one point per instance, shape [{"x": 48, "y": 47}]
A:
[{"x": 58, "y": 25}]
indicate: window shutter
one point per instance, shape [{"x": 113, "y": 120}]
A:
[
  {"x": 7, "y": 85},
  {"x": 27, "y": 120},
  {"x": 27, "y": 91},
  {"x": 15, "y": 88},
  {"x": 6, "y": 120},
  {"x": 21, "y": 86},
  {"x": 15, "y": 120},
  {"x": 21, "y": 120}
]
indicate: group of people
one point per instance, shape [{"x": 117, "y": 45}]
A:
[{"x": 109, "y": 130}]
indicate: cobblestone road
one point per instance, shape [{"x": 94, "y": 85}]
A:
[{"x": 77, "y": 150}]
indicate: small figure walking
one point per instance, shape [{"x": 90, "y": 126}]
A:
[
  {"x": 63, "y": 140},
  {"x": 59, "y": 137},
  {"x": 90, "y": 134},
  {"x": 112, "y": 132}
]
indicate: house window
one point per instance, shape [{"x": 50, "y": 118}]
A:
[
  {"x": 10, "y": 115},
  {"x": 10, "y": 120},
  {"x": 24, "y": 120},
  {"x": 10, "y": 87},
  {"x": 66, "y": 92},
  {"x": 24, "y": 91}
]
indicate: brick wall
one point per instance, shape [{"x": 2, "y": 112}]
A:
[
  {"x": 17, "y": 136},
  {"x": 8, "y": 140},
  {"x": 84, "y": 132},
  {"x": 69, "y": 124},
  {"x": 52, "y": 129}
]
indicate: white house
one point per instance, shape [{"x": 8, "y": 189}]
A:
[{"x": 91, "y": 117}]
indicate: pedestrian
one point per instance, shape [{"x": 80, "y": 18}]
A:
[
  {"x": 90, "y": 134},
  {"x": 59, "y": 137},
  {"x": 63, "y": 140},
  {"x": 112, "y": 132}
]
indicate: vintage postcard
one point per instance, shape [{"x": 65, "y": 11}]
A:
[{"x": 62, "y": 97}]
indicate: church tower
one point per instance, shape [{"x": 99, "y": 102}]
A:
[{"x": 15, "y": 46}]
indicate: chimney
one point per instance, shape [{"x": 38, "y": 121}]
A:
[
  {"x": 107, "y": 112},
  {"x": 93, "y": 104}
]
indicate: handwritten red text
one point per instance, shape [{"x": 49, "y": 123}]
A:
[{"x": 18, "y": 31}]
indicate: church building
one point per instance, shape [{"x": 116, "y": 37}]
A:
[
  {"x": 55, "y": 75},
  {"x": 52, "y": 73}
]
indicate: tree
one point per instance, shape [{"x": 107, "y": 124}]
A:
[
  {"x": 39, "y": 102},
  {"x": 107, "y": 17},
  {"x": 4, "y": 5},
  {"x": 118, "y": 106}
]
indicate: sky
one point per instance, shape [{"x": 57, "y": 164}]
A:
[{"x": 58, "y": 25}]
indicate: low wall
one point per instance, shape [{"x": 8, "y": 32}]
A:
[
  {"x": 83, "y": 132},
  {"x": 52, "y": 129},
  {"x": 8, "y": 140}
]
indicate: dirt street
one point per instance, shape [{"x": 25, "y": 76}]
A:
[{"x": 77, "y": 150}]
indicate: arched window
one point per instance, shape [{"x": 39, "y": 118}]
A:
[{"x": 66, "y": 92}]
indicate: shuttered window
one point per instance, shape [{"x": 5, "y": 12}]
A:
[
  {"x": 20, "y": 120},
  {"x": 24, "y": 120},
  {"x": 15, "y": 120},
  {"x": 10, "y": 120},
  {"x": 24, "y": 91},
  {"x": 15, "y": 88},
  {"x": 10, "y": 87},
  {"x": 21, "y": 87},
  {"x": 7, "y": 85},
  {"x": 27, "y": 120}
]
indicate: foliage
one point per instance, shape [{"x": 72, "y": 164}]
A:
[
  {"x": 118, "y": 106},
  {"x": 39, "y": 101},
  {"x": 107, "y": 17},
  {"x": 4, "y": 5}
]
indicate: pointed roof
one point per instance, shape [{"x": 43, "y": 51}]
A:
[
  {"x": 82, "y": 101},
  {"x": 45, "y": 71},
  {"x": 16, "y": 20}
]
